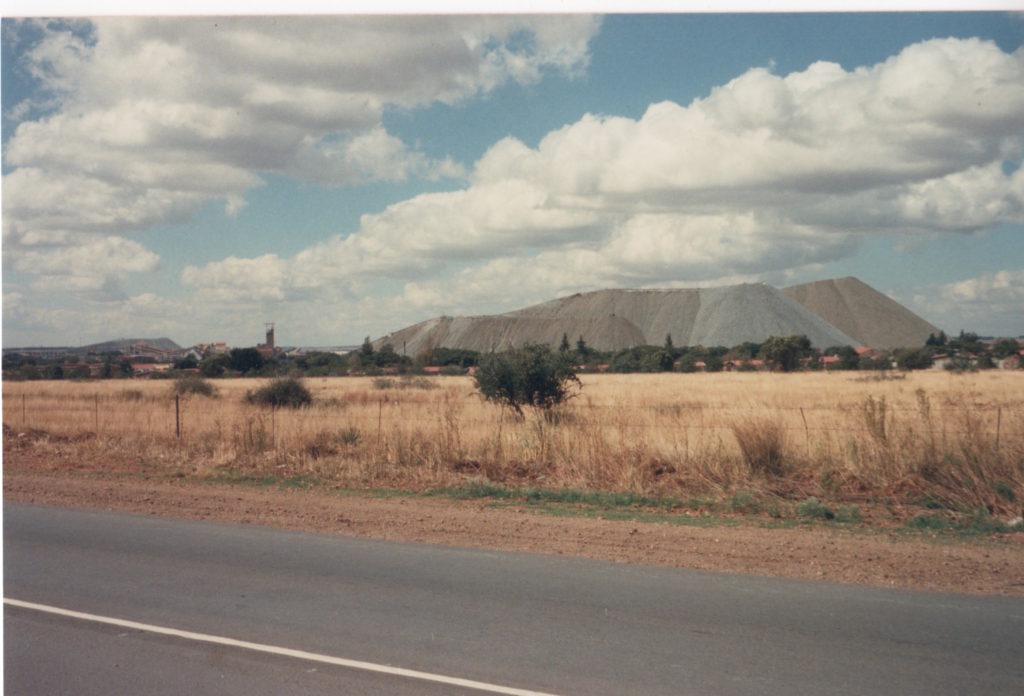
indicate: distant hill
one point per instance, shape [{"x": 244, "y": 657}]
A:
[
  {"x": 616, "y": 319},
  {"x": 857, "y": 309},
  {"x": 123, "y": 345}
]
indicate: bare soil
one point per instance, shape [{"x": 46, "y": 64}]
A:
[{"x": 865, "y": 555}]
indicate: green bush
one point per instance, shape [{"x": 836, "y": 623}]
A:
[
  {"x": 529, "y": 376},
  {"x": 191, "y": 384},
  {"x": 814, "y": 509},
  {"x": 283, "y": 392}
]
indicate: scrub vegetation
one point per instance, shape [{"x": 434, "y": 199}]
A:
[{"x": 937, "y": 446}]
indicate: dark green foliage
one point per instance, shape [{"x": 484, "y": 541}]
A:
[
  {"x": 563, "y": 347},
  {"x": 283, "y": 392},
  {"x": 866, "y": 362},
  {"x": 913, "y": 359},
  {"x": 934, "y": 340},
  {"x": 848, "y": 358},
  {"x": 642, "y": 359},
  {"x": 245, "y": 360},
  {"x": 192, "y": 384},
  {"x": 320, "y": 364},
  {"x": 214, "y": 365},
  {"x": 458, "y": 359},
  {"x": 746, "y": 350},
  {"x": 814, "y": 509},
  {"x": 529, "y": 376},
  {"x": 13, "y": 360},
  {"x": 387, "y": 356},
  {"x": 187, "y": 363},
  {"x": 967, "y": 342},
  {"x": 1004, "y": 348},
  {"x": 688, "y": 362},
  {"x": 785, "y": 353}
]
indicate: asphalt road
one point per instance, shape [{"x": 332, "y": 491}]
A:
[{"x": 548, "y": 624}]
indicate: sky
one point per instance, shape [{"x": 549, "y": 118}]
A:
[{"x": 346, "y": 176}]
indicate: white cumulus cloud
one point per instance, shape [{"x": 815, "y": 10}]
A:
[
  {"x": 766, "y": 174},
  {"x": 141, "y": 121},
  {"x": 991, "y": 299}
]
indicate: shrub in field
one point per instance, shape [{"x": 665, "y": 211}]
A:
[
  {"x": 405, "y": 382},
  {"x": 763, "y": 444},
  {"x": 814, "y": 509},
  {"x": 191, "y": 384},
  {"x": 529, "y": 376},
  {"x": 283, "y": 392}
]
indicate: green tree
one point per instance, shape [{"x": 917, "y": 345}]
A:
[
  {"x": 848, "y": 358},
  {"x": 245, "y": 360},
  {"x": 1005, "y": 347},
  {"x": 189, "y": 362},
  {"x": 746, "y": 350},
  {"x": 214, "y": 365},
  {"x": 563, "y": 347},
  {"x": 967, "y": 342},
  {"x": 913, "y": 359},
  {"x": 785, "y": 353},
  {"x": 688, "y": 363},
  {"x": 531, "y": 376},
  {"x": 283, "y": 392}
]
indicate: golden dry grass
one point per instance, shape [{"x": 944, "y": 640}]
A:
[{"x": 844, "y": 436}]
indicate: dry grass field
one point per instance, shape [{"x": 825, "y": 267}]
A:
[{"x": 933, "y": 439}]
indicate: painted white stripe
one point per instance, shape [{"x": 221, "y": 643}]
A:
[{"x": 276, "y": 650}]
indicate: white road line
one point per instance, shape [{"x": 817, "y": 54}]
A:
[{"x": 276, "y": 650}]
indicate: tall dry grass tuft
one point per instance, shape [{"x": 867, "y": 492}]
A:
[
  {"x": 762, "y": 442},
  {"x": 957, "y": 438}
]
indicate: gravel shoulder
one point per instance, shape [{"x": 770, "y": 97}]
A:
[{"x": 884, "y": 558}]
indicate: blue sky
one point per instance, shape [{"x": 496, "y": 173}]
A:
[{"x": 344, "y": 177}]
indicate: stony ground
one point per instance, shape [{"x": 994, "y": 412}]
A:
[{"x": 861, "y": 555}]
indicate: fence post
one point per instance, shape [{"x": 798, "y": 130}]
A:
[
  {"x": 999, "y": 423},
  {"x": 23, "y": 419},
  {"x": 177, "y": 417},
  {"x": 380, "y": 411},
  {"x": 273, "y": 427},
  {"x": 807, "y": 432},
  {"x": 96, "y": 412}
]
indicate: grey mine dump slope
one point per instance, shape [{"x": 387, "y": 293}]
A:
[
  {"x": 857, "y": 309},
  {"x": 616, "y": 319}
]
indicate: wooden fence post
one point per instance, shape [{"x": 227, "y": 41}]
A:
[
  {"x": 177, "y": 417},
  {"x": 380, "y": 411},
  {"x": 999, "y": 423},
  {"x": 807, "y": 432}
]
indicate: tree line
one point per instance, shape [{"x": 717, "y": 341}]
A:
[{"x": 777, "y": 353}]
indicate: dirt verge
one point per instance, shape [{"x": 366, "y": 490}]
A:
[{"x": 874, "y": 557}]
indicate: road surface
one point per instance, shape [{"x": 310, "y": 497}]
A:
[{"x": 500, "y": 620}]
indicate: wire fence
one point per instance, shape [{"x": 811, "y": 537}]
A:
[{"x": 182, "y": 416}]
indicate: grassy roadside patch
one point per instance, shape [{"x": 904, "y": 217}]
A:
[
  {"x": 927, "y": 518},
  {"x": 743, "y": 507}
]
